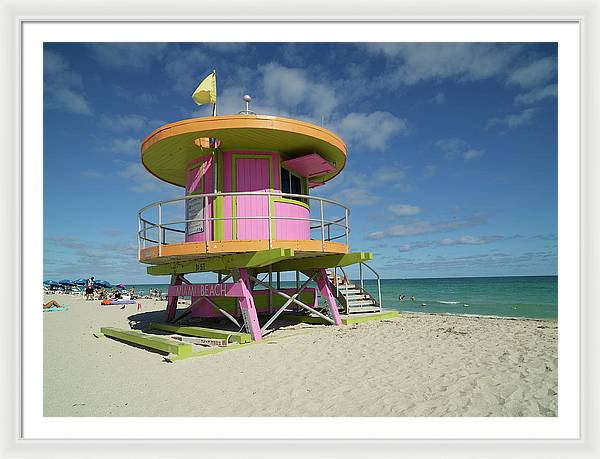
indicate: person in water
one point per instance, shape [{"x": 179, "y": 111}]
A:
[
  {"x": 401, "y": 297},
  {"x": 412, "y": 298}
]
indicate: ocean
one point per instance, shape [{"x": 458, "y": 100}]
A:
[{"x": 533, "y": 297}]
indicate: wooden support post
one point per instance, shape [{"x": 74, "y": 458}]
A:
[
  {"x": 247, "y": 306},
  {"x": 176, "y": 279},
  {"x": 327, "y": 294}
]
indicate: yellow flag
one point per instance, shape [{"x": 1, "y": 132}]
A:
[{"x": 206, "y": 92}]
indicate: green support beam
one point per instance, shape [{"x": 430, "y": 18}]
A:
[
  {"x": 346, "y": 319},
  {"x": 150, "y": 341},
  {"x": 203, "y": 332},
  {"x": 322, "y": 261},
  {"x": 224, "y": 262}
]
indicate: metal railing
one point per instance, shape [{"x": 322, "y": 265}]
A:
[
  {"x": 361, "y": 283},
  {"x": 159, "y": 229}
]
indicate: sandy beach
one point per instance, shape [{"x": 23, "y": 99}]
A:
[{"x": 412, "y": 365}]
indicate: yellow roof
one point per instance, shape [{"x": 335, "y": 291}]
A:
[{"x": 166, "y": 152}]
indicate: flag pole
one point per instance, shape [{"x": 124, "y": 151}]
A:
[
  {"x": 215, "y": 104},
  {"x": 214, "y": 145}
]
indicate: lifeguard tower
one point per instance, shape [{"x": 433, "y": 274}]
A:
[{"x": 247, "y": 216}]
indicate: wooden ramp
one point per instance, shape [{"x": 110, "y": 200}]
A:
[{"x": 158, "y": 343}]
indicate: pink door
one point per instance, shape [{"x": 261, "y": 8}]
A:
[{"x": 252, "y": 174}]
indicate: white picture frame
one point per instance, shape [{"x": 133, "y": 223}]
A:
[{"x": 17, "y": 12}]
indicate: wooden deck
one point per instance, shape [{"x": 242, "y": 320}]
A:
[{"x": 197, "y": 250}]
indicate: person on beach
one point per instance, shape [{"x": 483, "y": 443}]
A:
[
  {"x": 89, "y": 289},
  {"x": 52, "y": 304}
]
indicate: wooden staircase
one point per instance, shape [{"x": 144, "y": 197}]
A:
[{"x": 352, "y": 299}]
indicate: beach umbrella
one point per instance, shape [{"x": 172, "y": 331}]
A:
[
  {"x": 68, "y": 282},
  {"x": 51, "y": 283},
  {"x": 102, "y": 283},
  {"x": 80, "y": 282},
  {"x": 121, "y": 286}
]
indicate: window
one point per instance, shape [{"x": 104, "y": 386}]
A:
[{"x": 291, "y": 183}]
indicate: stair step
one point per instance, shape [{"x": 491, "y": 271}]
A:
[
  {"x": 362, "y": 310},
  {"x": 353, "y": 303}
]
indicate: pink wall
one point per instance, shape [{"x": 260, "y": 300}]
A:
[
  {"x": 246, "y": 182},
  {"x": 197, "y": 181},
  {"x": 252, "y": 174},
  {"x": 291, "y": 230}
]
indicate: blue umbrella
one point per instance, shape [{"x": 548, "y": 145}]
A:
[
  {"x": 66, "y": 282},
  {"x": 102, "y": 283},
  {"x": 80, "y": 282},
  {"x": 51, "y": 283}
]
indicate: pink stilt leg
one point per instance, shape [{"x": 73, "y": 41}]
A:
[
  {"x": 247, "y": 307},
  {"x": 172, "y": 301},
  {"x": 326, "y": 290}
]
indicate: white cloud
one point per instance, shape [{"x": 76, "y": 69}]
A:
[
  {"x": 471, "y": 153},
  {"x": 130, "y": 122},
  {"x": 63, "y": 87},
  {"x": 404, "y": 210},
  {"x": 536, "y": 95},
  {"x": 470, "y": 240},
  {"x": 513, "y": 120},
  {"x": 187, "y": 67},
  {"x": 297, "y": 90},
  {"x": 126, "y": 146},
  {"x": 439, "y": 98},
  {"x": 388, "y": 175},
  {"x": 355, "y": 197},
  {"x": 423, "y": 227},
  {"x": 136, "y": 56},
  {"x": 533, "y": 73},
  {"x": 140, "y": 180},
  {"x": 226, "y": 47},
  {"x": 454, "y": 147},
  {"x": 462, "y": 61},
  {"x": 372, "y": 130},
  {"x": 89, "y": 173},
  {"x": 429, "y": 171}
]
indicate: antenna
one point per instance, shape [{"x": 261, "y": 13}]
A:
[{"x": 247, "y": 99}]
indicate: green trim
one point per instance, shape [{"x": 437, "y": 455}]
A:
[
  {"x": 257, "y": 259},
  {"x": 229, "y": 348},
  {"x": 219, "y": 203},
  {"x": 346, "y": 319},
  {"x": 234, "y": 157},
  {"x": 323, "y": 261},
  {"x": 368, "y": 317},
  {"x": 204, "y": 332},
  {"x": 150, "y": 341},
  {"x": 199, "y": 190},
  {"x": 291, "y": 201},
  {"x": 304, "y": 318}
]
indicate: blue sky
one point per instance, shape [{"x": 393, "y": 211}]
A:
[{"x": 452, "y": 148}]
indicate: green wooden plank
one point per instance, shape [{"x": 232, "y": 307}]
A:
[
  {"x": 346, "y": 319},
  {"x": 367, "y": 317},
  {"x": 323, "y": 261},
  {"x": 150, "y": 341},
  {"x": 304, "y": 318},
  {"x": 203, "y": 332},
  {"x": 224, "y": 262}
]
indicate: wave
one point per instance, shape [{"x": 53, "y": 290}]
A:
[{"x": 449, "y": 302}]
